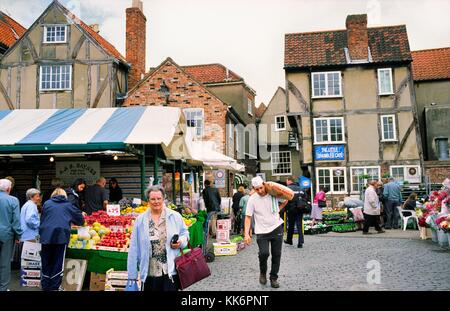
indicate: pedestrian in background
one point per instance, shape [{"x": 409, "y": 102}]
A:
[
  {"x": 213, "y": 202},
  {"x": 268, "y": 229},
  {"x": 115, "y": 192},
  {"x": 320, "y": 201},
  {"x": 243, "y": 207},
  {"x": 393, "y": 195},
  {"x": 29, "y": 216},
  {"x": 10, "y": 230},
  {"x": 237, "y": 212},
  {"x": 96, "y": 198},
  {"x": 57, "y": 216},
  {"x": 379, "y": 188},
  {"x": 371, "y": 208},
  {"x": 294, "y": 209},
  {"x": 75, "y": 194},
  {"x": 14, "y": 192}
]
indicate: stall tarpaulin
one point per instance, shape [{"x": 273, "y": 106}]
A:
[{"x": 47, "y": 130}]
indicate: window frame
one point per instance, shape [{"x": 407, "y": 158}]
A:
[
  {"x": 196, "y": 136},
  {"x": 331, "y": 169},
  {"x": 54, "y": 25},
  {"x": 383, "y": 139},
  {"x": 314, "y": 74},
  {"x": 329, "y": 141},
  {"x": 391, "y": 92},
  {"x": 276, "y": 123},
  {"x": 365, "y": 172},
  {"x": 272, "y": 163},
  {"x": 41, "y": 89}
]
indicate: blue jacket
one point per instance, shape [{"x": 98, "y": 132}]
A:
[
  {"x": 140, "y": 249},
  {"x": 57, "y": 215},
  {"x": 9, "y": 217},
  {"x": 392, "y": 192},
  {"x": 29, "y": 221}
]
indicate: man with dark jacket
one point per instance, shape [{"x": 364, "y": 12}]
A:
[
  {"x": 295, "y": 209},
  {"x": 96, "y": 197},
  {"x": 236, "y": 211},
  {"x": 212, "y": 198}
]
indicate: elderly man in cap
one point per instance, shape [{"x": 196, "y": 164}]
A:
[{"x": 268, "y": 229}]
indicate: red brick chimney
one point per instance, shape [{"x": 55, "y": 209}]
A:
[
  {"x": 357, "y": 38},
  {"x": 135, "y": 42}
]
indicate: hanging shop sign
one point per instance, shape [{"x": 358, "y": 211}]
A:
[
  {"x": 219, "y": 178},
  {"x": 329, "y": 153},
  {"x": 69, "y": 171},
  {"x": 292, "y": 141}
]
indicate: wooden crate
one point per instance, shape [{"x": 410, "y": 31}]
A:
[{"x": 97, "y": 282}]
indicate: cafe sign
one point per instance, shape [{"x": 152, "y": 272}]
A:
[
  {"x": 69, "y": 171},
  {"x": 329, "y": 153}
]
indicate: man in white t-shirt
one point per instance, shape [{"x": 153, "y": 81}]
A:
[{"x": 268, "y": 229}]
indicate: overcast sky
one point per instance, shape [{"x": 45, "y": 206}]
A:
[{"x": 247, "y": 36}]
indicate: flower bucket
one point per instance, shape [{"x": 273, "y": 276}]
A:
[
  {"x": 434, "y": 236},
  {"x": 442, "y": 238}
]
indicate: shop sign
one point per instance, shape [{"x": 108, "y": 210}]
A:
[
  {"x": 74, "y": 272},
  {"x": 329, "y": 153},
  {"x": 292, "y": 141},
  {"x": 219, "y": 178},
  {"x": 113, "y": 209},
  {"x": 69, "y": 171}
]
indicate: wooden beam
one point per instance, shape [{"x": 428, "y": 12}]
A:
[
  {"x": 291, "y": 87},
  {"x": 333, "y": 113},
  {"x": 101, "y": 91},
  {"x": 31, "y": 48},
  {"x": 399, "y": 91},
  {"x": 78, "y": 46},
  {"x": 404, "y": 139},
  {"x": 38, "y": 93},
  {"x": 5, "y": 95}
]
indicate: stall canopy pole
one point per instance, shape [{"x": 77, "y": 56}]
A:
[
  {"x": 156, "y": 167},
  {"x": 181, "y": 183},
  {"x": 143, "y": 173},
  {"x": 174, "y": 194},
  {"x": 195, "y": 180}
]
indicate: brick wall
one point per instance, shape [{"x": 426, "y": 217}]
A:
[
  {"x": 184, "y": 93},
  {"x": 135, "y": 44},
  {"x": 438, "y": 171}
]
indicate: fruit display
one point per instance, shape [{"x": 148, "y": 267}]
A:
[
  {"x": 103, "y": 218},
  {"x": 189, "y": 216},
  {"x": 87, "y": 239},
  {"x": 136, "y": 211},
  {"x": 115, "y": 239}
]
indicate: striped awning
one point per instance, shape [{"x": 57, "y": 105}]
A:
[{"x": 82, "y": 129}]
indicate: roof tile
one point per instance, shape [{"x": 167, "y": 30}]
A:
[
  {"x": 10, "y": 30},
  {"x": 310, "y": 49},
  {"x": 432, "y": 64},
  {"x": 211, "y": 73}
]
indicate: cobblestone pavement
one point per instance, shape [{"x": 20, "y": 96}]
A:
[
  {"x": 338, "y": 261},
  {"x": 335, "y": 261}
]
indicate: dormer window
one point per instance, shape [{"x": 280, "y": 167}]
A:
[{"x": 55, "y": 34}]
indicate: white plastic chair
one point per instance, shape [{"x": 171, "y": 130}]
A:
[{"x": 405, "y": 219}]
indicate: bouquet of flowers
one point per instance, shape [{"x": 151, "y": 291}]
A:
[{"x": 443, "y": 223}]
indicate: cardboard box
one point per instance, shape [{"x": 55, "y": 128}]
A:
[
  {"x": 31, "y": 251},
  {"x": 28, "y": 273},
  {"x": 225, "y": 249},
  {"x": 223, "y": 235},
  {"x": 224, "y": 224},
  {"x": 119, "y": 275},
  {"x": 30, "y": 264},
  {"x": 97, "y": 282},
  {"x": 30, "y": 282}
]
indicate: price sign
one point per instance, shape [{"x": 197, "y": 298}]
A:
[
  {"x": 113, "y": 210},
  {"x": 137, "y": 201}
]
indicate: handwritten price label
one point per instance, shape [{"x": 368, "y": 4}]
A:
[{"x": 113, "y": 210}]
